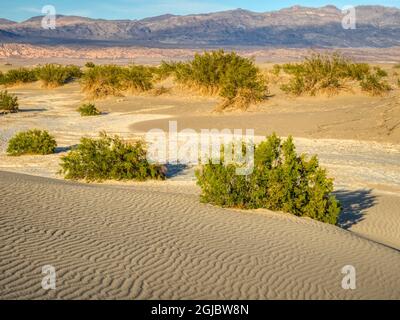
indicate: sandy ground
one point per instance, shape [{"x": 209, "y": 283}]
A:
[
  {"x": 135, "y": 240},
  {"x": 127, "y": 243}
]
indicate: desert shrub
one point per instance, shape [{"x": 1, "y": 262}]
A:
[
  {"x": 236, "y": 79},
  {"x": 374, "y": 84},
  {"x": 323, "y": 73},
  {"x": 54, "y": 75},
  {"x": 380, "y": 72},
  {"x": 166, "y": 69},
  {"x": 160, "y": 91},
  {"x": 111, "y": 80},
  {"x": 136, "y": 78},
  {"x": 90, "y": 64},
  {"x": 276, "y": 69},
  {"x": 396, "y": 66},
  {"x": 281, "y": 181},
  {"x": 109, "y": 158},
  {"x": 31, "y": 142},
  {"x": 18, "y": 76},
  {"x": 102, "y": 81},
  {"x": 88, "y": 109},
  {"x": 8, "y": 102},
  {"x": 357, "y": 71}
]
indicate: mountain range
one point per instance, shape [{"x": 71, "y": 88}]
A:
[{"x": 376, "y": 26}]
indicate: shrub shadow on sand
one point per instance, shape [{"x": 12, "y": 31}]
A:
[
  {"x": 175, "y": 170},
  {"x": 32, "y": 110},
  {"x": 354, "y": 204},
  {"x": 65, "y": 149}
]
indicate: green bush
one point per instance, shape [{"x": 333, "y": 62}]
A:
[
  {"x": 330, "y": 73},
  {"x": 109, "y": 158},
  {"x": 136, "y": 78},
  {"x": 236, "y": 79},
  {"x": 374, "y": 84},
  {"x": 281, "y": 181},
  {"x": 18, "y": 76},
  {"x": 54, "y": 75},
  {"x": 276, "y": 69},
  {"x": 8, "y": 102},
  {"x": 166, "y": 69},
  {"x": 90, "y": 64},
  {"x": 31, "y": 142},
  {"x": 102, "y": 81},
  {"x": 88, "y": 109},
  {"x": 111, "y": 80}
]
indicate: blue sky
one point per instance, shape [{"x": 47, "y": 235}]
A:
[{"x": 19, "y": 10}]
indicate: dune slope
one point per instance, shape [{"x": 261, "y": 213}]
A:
[{"x": 142, "y": 243}]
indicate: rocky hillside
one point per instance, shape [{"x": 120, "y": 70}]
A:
[{"x": 377, "y": 26}]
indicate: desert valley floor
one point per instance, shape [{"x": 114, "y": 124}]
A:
[{"x": 155, "y": 240}]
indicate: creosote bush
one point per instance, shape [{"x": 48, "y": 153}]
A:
[
  {"x": 374, "y": 83},
  {"x": 8, "y": 102},
  {"x": 18, "y": 76},
  {"x": 160, "y": 91},
  {"x": 54, "y": 75},
  {"x": 88, "y": 109},
  {"x": 330, "y": 73},
  {"x": 109, "y": 158},
  {"x": 32, "y": 142},
  {"x": 89, "y": 64},
  {"x": 112, "y": 80},
  {"x": 281, "y": 181},
  {"x": 234, "y": 78}
]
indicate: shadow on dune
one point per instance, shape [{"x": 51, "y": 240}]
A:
[
  {"x": 354, "y": 204},
  {"x": 174, "y": 170},
  {"x": 64, "y": 149},
  {"x": 32, "y": 110}
]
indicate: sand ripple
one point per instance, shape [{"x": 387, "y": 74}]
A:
[{"x": 115, "y": 242}]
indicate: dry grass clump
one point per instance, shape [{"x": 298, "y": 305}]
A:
[
  {"x": 234, "y": 78},
  {"x": 55, "y": 75},
  {"x": 331, "y": 73},
  {"x": 112, "y": 80}
]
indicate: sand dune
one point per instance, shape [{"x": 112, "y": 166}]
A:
[
  {"x": 155, "y": 240},
  {"x": 148, "y": 243}
]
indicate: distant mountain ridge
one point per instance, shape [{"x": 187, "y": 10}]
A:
[{"x": 297, "y": 26}]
